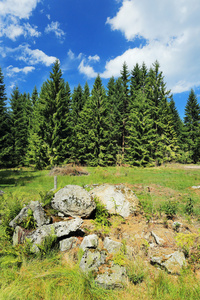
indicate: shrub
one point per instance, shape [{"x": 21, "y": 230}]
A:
[
  {"x": 189, "y": 208},
  {"x": 101, "y": 214}
]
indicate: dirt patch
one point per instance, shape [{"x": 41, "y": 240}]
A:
[{"x": 69, "y": 170}]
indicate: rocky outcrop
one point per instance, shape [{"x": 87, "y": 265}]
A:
[
  {"x": 118, "y": 199},
  {"x": 73, "y": 200}
]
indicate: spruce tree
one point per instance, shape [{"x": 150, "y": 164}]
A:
[
  {"x": 19, "y": 127},
  {"x": 5, "y": 145},
  {"x": 192, "y": 127}
]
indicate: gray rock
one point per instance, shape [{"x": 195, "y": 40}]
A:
[
  {"x": 196, "y": 187},
  {"x": 1, "y": 193},
  {"x": 118, "y": 199},
  {"x": 89, "y": 241},
  {"x": 38, "y": 213},
  {"x": 113, "y": 277},
  {"x": 73, "y": 200},
  {"x": 112, "y": 246},
  {"x": 20, "y": 217},
  {"x": 173, "y": 262},
  {"x": 60, "y": 229},
  {"x": 18, "y": 236},
  {"x": 159, "y": 241},
  {"x": 68, "y": 244},
  {"x": 92, "y": 260}
]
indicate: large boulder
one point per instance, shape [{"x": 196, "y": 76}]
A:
[
  {"x": 118, "y": 199},
  {"x": 39, "y": 215},
  {"x": 112, "y": 246},
  {"x": 73, "y": 200},
  {"x": 68, "y": 244}
]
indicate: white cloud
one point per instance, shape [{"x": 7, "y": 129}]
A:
[
  {"x": 171, "y": 30},
  {"x": 29, "y": 56},
  {"x": 11, "y": 14},
  {"x": 87, "y": 70},
  {"x": 54, "y": 27},
  {"x": 15, "y": 70},
  {"x": 95, "y": 58},
  {"x": 48, "y": 17},
  {"x": 21, "y": 9}
]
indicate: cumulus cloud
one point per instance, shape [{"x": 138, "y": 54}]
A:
[
  {"x": 86, "y": 69},
  {"x": 21, "y": 9},
  {"x": 170, "y": 30},
  {"x": 54, "y": 27},
  {"x": 15, "y": 70},
  {"x": 12, "y": 12}
]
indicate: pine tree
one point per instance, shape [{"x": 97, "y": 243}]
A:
[
  {"x": 5, "y": 146},
  {"x": 192, "y": 127}
]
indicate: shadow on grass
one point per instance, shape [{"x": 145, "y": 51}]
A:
[{"x": 15, "y": 177}]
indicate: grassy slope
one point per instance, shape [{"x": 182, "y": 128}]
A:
[{"x": 53, "y": 279}]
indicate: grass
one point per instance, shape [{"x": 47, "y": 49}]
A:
[{"x": 53, "y": 278}]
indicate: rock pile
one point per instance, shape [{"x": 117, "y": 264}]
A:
[{"x": 74, "y": 206}]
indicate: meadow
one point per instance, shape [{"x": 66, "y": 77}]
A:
[{"x": 51, "y": 277}]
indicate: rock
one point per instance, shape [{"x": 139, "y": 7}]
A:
[
  {"x": 117, "y": 199},
  {"x": 18, "y": 236},
  {"x": 39, "y": 215},
  {"x": 112, "y": 246},
  {"x": 1, "y": 193},
  {"x": 60, "y": 229},
  {"x": 173, "y": 262},
  {"x": 20, "y": 217},
  {"x": 159, "y": 241},
  {"x": 196, "y": 187},
  {"x": 113, "y": 277},
  {"x": 73, "y": 200},
  {"x": 91, "y": 260},
  {"x": 68, "y": 244},
  {"x": 89, "y": 241}
]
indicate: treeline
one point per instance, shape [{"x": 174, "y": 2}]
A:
[{"x": 133, "y": 121}]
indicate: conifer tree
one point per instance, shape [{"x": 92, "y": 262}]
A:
[
  {"x": 19, "y": 128},
  {"x": 5, "y": 146},
  {"x": 192, "y": 127}
]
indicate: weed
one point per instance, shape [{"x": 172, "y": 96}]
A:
[
  {"x": 46, "y": 247},
  {"x": 46, "y": 198},
  {"x": 29, "y": 222},
  {"x": 189, "y": 208},
  {"x": 135, "y": 271},
  {"x": 102, "y": 214},
  {"x": 186, "y": 241},
  {"x": 170, "y": 209}
]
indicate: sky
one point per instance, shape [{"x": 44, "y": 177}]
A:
[{"x": 91, "y": 37}]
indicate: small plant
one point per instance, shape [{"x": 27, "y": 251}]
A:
[
  {"x": 49, "y": 243},
  {"x": 29, "y": 222},
  {"x": 176, "y": 226},
  {"x": 46, "y": 198},
  {"x": 135, "y": 272},
  {"x": 186, "y": 242},
  {"x": 189, "y": 208},
  {"x": 170, "y": 209},
  {"x": 102, "y": 214}
]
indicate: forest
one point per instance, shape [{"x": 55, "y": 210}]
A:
[{"x": 133, "y": 121}]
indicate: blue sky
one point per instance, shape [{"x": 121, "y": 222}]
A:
[{"x": 97, "y": 36}]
